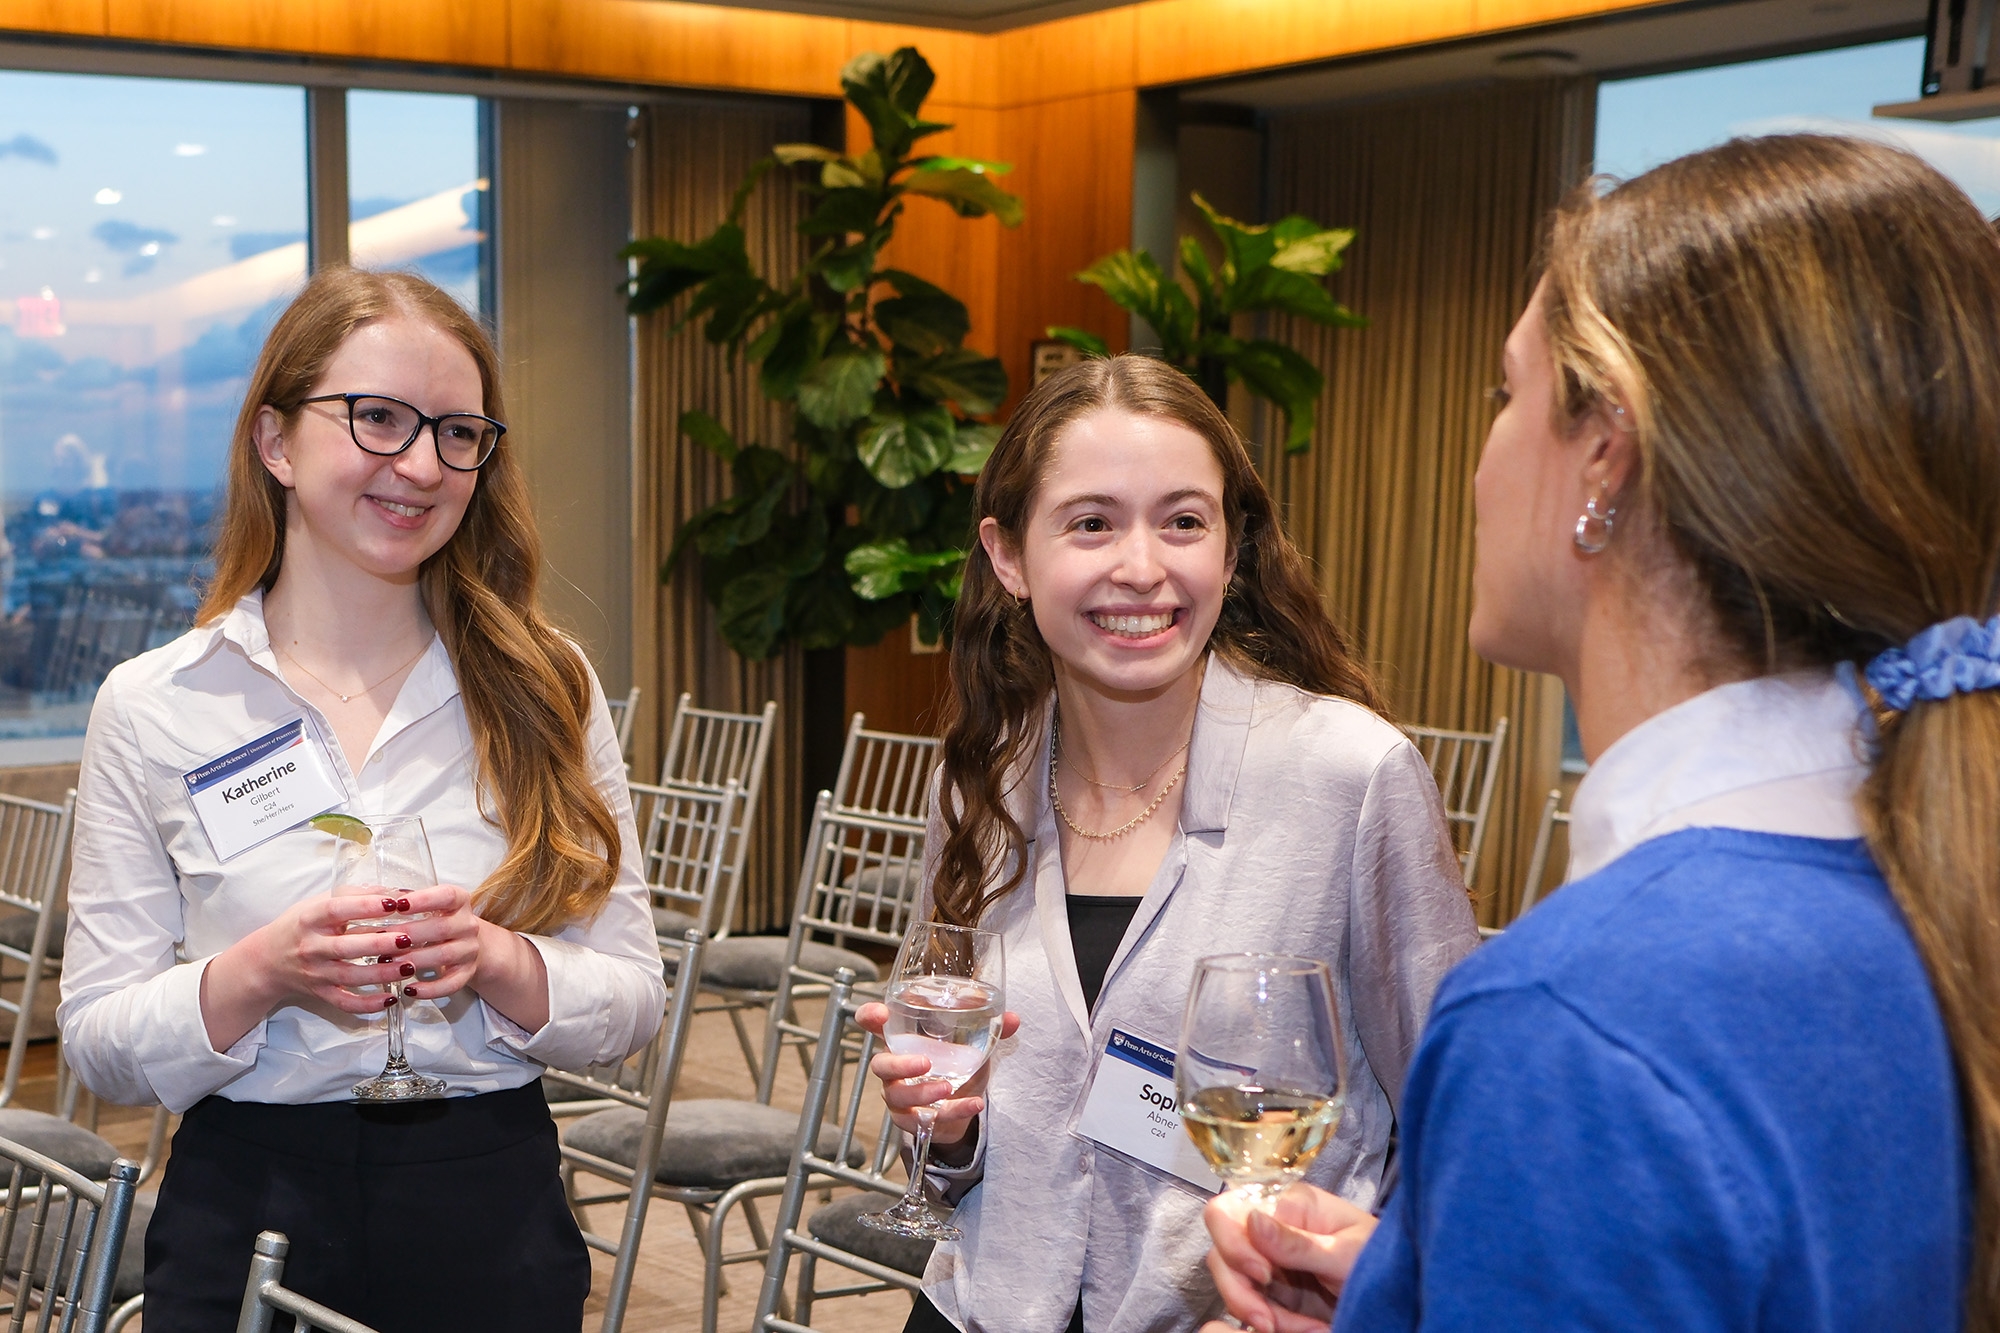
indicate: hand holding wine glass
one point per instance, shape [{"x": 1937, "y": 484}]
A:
[
  {"x": 1262, "y": 1068},
  {"x": 385, "y": 857},
  {"x": 946, "y": 1003}
]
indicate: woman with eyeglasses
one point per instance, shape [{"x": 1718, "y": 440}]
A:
[{"x": 374, "y": 609}]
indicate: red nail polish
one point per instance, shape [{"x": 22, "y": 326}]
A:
[
  {"x": 388, "y": 904},
  {"x": 389, "y": 1003},
  {"x": 408, "y": 969},
  {"x": 402, "y": 941},
  {"x": 402, "y": 904},
  {"x": 410, "y": 990}
]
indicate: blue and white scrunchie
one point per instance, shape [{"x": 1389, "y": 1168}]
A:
[{"x": 1955, "y": 656}]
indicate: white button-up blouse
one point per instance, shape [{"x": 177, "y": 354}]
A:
[
  {"x": 150, "y": 904},
  {"x": 1309, "y": 826}
]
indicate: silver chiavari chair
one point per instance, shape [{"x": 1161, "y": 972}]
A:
[
  {"x": 34, "y": 841},
  {"x": 707, "y": 749},
  {"x": 266, "y": 1296},
  {"x": 61, "y": 1234},
  {"x": 1466, "y": 765},
  {"x": 834, "y": 1232}
]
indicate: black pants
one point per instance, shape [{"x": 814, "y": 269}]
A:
[
  {"x": 433, "y": 1216},
  {"x": 924, "y": 1318}
]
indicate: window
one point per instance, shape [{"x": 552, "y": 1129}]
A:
[
  {"x": 416, "y": 191},
  {"x": 1645, "y": 121},
  {"x": 149, "y": 232}
]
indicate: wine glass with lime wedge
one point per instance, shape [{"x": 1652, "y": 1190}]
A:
[{"x": 384, "y": 856}]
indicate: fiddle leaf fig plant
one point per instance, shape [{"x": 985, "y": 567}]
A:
[
  {"x": 1263, "y": 268},
  {"x": 859, "y": 526}
]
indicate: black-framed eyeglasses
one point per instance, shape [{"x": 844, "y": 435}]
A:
[{"x": 387, "y": 426}]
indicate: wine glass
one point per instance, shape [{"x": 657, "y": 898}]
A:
[
  {"x": 383, "y": 856},
  {"x": 1262, "y": 1069},
  {"x": 946, "y": 996}
]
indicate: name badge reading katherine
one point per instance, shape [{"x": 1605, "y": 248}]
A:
[
  {"x": 1131, "y": 1109},
  {"x": 262, "y": 788}
]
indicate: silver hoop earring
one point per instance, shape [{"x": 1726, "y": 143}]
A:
[{"x": 1593, "y": 526}]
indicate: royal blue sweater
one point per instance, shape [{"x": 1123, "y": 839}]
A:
[{"x": 1705, "y": 1088}]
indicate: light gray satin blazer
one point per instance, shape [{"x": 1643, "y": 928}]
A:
[{"x": 1309, "y": 826}]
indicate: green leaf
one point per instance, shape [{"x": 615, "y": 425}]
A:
[
  {"x": 841, "y": 212},
  {"x": 973, "y": 380},
  {"x": 899, "y": 444},
  {"x": 1274, "y": 371},
  {"x": 1245, "y": 247},
  {"x": 1082, "y": 339},
  {"x": 850, "y": 266},
  {"x": 752, "y": 611},
  {"x": 800, "y": 336},
  {"x": 1137, "y": 283},
  {"x": 969, "y": 193},
  {"x": 733, "y": 301},
  {"x": 793, "y": 153},
  {"x": 841, "y": 388},
  {"x": 709, "y": 433},
  {"x": 973, "y": 164},
  {"x": 909, "y": 284},
  {"x": 883, "y": 569},
  {"x": 1304, "y": 248},
  {"x": 842, "y": 175},
  {"x": 926, "y": 323},
  {"x": 1290, "y": 293},
  {"x": 668, "y": 268},
  {"x": 971, "y": 446},
  {"x": 888, "y": 91},
  {"x": 885, "y": 513}
]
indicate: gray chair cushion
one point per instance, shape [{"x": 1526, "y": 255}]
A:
[
  {"x": 839, "y": 1224},
  {"x": 670, "y": 925},
  {"x": 710, "y": 1143},
  {"x": 52, "y": 1136},
  {"x": 555, "y": 1090},
  {"x": 754, "y": 962},
  {"x": 17, "y": 931},
  {"x": 893, "y": 882}
]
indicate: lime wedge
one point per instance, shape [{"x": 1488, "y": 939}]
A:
[{"x": 342, "y": 826}]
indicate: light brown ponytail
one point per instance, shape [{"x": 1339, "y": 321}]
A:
[{"x": 1806, "y": 331}]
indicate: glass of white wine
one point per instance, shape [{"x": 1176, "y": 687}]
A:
[
  {"x": 1261, "y": 1069},
  {"x": 384, "y": 856},
  {"x": 946, "y": 997}
]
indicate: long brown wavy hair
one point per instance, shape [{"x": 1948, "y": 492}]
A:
[
  {"x": 525, "y": 687},
  {"x": 1806, "y": 332},
  {"x": 1273, "y": 624}
]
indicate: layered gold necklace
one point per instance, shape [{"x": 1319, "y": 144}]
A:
[{"x": 1055, "y": 795}]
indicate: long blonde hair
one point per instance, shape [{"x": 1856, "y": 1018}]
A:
[
  {"x": 1273, "y": 623},
  {"x": 526, "y": 690},
  {"x": 1806, "y": 331}
]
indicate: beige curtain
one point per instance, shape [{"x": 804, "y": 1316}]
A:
[
  {"x": 689, "y": 162},
  {"x": 1447, "y": 193}
]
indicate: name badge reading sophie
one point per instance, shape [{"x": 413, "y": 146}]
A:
[
  {"x": 1131, "y": 1109},
  {"x": 260, "y": 789}
]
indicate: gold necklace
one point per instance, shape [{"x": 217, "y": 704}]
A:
[
  {"x": 364, "y": 689},
  {"x": 1055, "y": 796},
  {"x": 1077, "y": 769}
]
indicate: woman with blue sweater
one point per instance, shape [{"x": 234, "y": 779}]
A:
[{"x": 1743, "y": 1072}]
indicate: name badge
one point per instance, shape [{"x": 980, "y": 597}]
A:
[
  {"x": 1131, "y": 1109},
  {"x": 259, "y": 790}
]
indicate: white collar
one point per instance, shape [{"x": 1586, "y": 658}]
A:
[
  {"x": 1777, "y": 754},
  {"x": 430, "y": 685}
]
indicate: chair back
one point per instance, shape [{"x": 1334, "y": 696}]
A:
[
  {"x": 812, "y": 1170},
  {"x": 707, "y": 748},
  {"x": 1466, "y": 765},
  {"x": 1538, "y": 864},
  {"x": 859, "y": 882},
  {"x": 624, "y": 712},
  {"x": 266, "y": 1296},
  {"x": 884, "y": 772},
  {"x": 60, "y": 1235},
  {"x": 685, "y": 842},
  {"x": 34, "y": 840},
  {"x": 672, "y": 1047}
]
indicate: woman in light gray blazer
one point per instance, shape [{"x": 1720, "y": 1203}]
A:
[{"x": 1159, "y": 748}]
